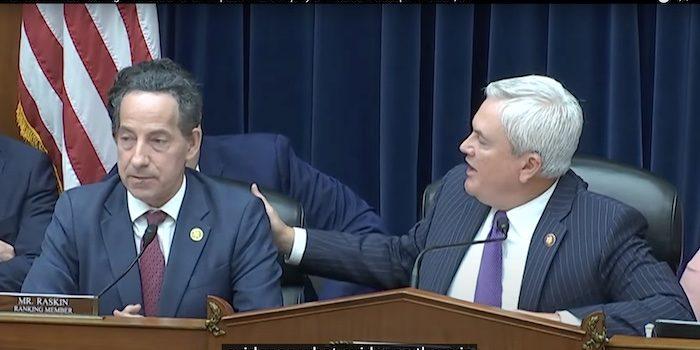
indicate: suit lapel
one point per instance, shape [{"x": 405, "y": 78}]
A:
[
  {"x": 471, "y": 220},
  {"x": 184, "y": 252},
  {"x": 441, "y": 265},
  {"x": 118, "y": 236},
  {"x": 210, "y": 165},
  {"x": 540, "y": 256}
]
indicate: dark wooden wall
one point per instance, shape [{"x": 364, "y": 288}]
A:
[{"x": 10, "y": 20}]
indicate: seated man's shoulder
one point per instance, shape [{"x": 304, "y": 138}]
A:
[
  {"x": 20, "y": 152},
  {"x": 223, "y": 190},
  {"x": 454, "y": 177},
  {"x": 244, "y": 155},
  {"x": 252, "y": 140},
  {"x": 606, "y": 207},
  {"x": 94, "y": 192}
]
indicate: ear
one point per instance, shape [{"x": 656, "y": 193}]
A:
[
  {"x": 195, "y": 141},
  {"x": 531, "y": 166}
]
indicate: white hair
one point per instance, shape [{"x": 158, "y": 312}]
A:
[{"x": 540, "y": 115}]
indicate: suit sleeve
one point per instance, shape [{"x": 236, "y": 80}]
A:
[
  {"x": 329, "y": 204},
  {"x": 641, "y": 288},
  {"x": 373, "y": 259},
  {"x": 255, "y": 273},
  {"x": 36, "y": 209},
  {"x": 56, "y": 269}
]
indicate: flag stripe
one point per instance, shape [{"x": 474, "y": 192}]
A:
[
  {"x": 46, "y": 106},
  {"x": 148, "y": 20},
  {"x": 53, "y": 15},
  {"x": 31, "y": 113},
  {"x": 113, "y": 32},
  {"x": 91, "y": 48},
  {"x": 69, "y": 56},
  {"x": 83, "y": 157},
  {"x": 50, "y": 57},
  {"x": 89, "y": 112},
  {"x": 139, "y": 50},
  {"x": 70, "y": 180}
]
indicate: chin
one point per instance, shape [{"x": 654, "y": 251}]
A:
[
  {"x": 139, "y": 194},
  {"x": 469, "y": 186}
]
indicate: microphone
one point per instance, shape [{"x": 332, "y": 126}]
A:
[
  {"x": 501, "y": 223},
  {"x": 148, "y": 237}
]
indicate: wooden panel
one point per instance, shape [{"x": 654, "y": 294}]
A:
[
  {"x": 623, "y": 342},
  {"x": 401, "y": 316},
  {"x": 43, "y": 332},
  {"x": 10, "y": 20},
  {"x": 408, "y": 317}
]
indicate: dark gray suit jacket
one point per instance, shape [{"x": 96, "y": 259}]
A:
[{"x": 598, "y": 262}]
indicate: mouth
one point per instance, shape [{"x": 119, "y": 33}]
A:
[
  {"x": 140, "y": 178},
  {"x": 470, "y": 168}
]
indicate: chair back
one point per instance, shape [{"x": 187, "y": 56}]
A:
[
  {"x": 655, "y": 198},
  {"x": 296, "y": 286}
]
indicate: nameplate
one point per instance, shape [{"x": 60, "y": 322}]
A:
[{"x": 54, "y": 304}]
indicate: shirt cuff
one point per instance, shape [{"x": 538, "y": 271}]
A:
[
  {"x": 568, "y": 318},
  {"x": 298, "y": 247}
]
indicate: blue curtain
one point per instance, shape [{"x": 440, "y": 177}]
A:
[{"x": 380, "y": 96}]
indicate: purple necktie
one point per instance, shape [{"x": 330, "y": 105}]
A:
[
  {"x": 489, "y": 286},
  {"x": 152, "y": 266}
]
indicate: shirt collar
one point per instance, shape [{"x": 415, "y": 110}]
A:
[
  {"x": 138, "y": 207},
  {"x": 524, "y": 218}
]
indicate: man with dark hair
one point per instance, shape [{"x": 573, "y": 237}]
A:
[
  {"x": 210, "y": 238},
  {"x": 28, "y": 194},
  {"x": 270, "y": 161}
]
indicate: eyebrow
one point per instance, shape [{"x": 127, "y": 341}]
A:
[
  {"x": 124, "y": 128},
  {"x": 149, "y": 133}
]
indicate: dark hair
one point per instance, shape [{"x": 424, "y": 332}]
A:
[{"x": 160, "y": 75}]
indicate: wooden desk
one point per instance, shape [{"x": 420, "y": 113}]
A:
[
  {"x": 624, "y": 342},
  {"x": 50, "y": 332},
  {"x": 401, "y": 316}
]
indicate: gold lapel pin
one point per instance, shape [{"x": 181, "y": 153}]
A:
[
  {"x": 196, "y": 234},
  {"x": 549, "y": 240}
]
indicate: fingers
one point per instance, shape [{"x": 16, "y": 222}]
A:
[
  {"x": 7, "y": 251},
  {"x": 283, "y": 235},
  {"x": 269, "y": 209},
  {"x": 129, "y": 311},
  {"x": 132, "y": 309},
  {"x": 256, "y": 192}
]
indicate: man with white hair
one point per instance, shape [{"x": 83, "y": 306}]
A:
[{"x": 559, "y": 250}]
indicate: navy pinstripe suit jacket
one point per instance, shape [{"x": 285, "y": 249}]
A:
[{"x": 599, "y": 261}]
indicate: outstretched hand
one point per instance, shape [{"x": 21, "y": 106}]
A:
[{"x": 282, "y": 235}]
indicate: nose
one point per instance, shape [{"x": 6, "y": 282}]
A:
[
  {"x": 141, "y": 157},
  {"x": 467, "y": 146}
]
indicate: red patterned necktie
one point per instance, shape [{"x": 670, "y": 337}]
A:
[{"x": 152, "y": 267}]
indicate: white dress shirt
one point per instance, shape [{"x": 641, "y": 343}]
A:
[
  {"x": 522, "y": 223},
  {"x": 166, "y": 229}
]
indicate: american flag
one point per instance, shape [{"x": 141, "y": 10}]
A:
[{"x": 69, "y": 57}]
